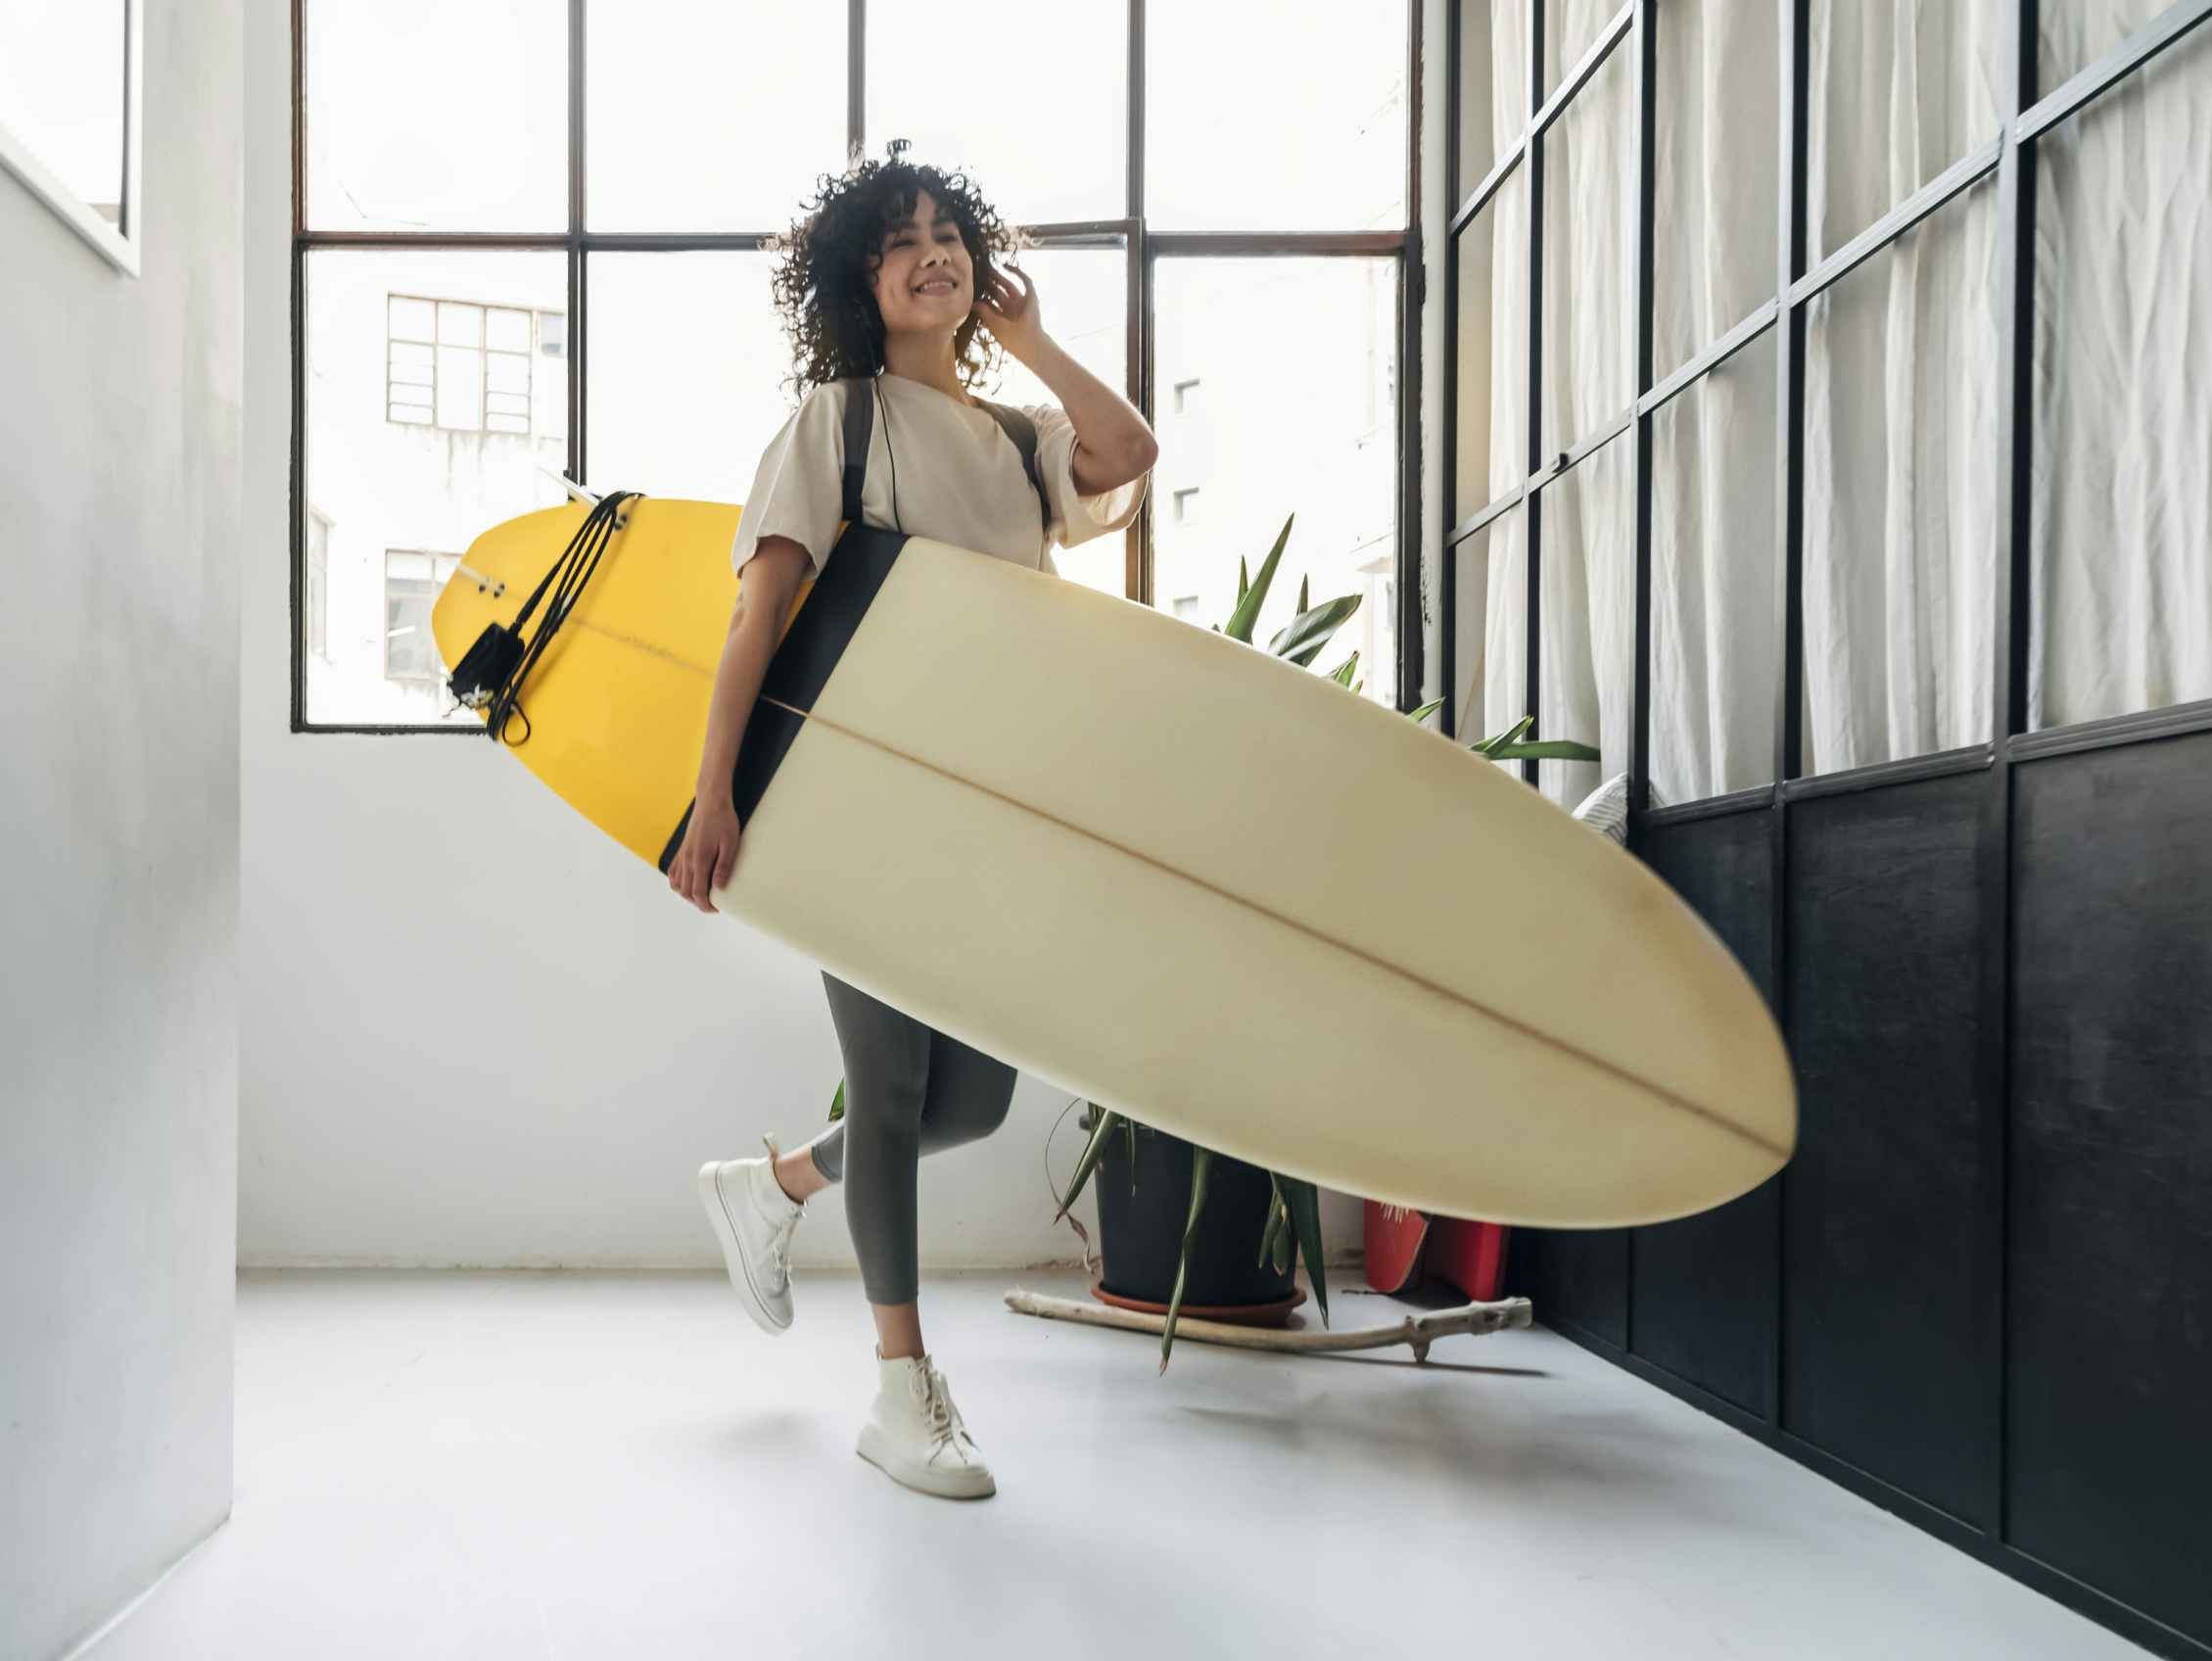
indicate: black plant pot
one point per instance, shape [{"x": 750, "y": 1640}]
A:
[{"x": 1141, "y": 1225}]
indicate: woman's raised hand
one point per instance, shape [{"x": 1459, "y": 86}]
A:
[{"x": 1011, "y": 312}]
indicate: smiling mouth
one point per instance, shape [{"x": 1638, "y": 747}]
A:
[{"x": 937, "y": 285}]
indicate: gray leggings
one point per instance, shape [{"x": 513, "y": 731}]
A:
[{"x": 910, "y": 1090}]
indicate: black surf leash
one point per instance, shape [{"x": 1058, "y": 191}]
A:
[{"x": 490, "y": 673}]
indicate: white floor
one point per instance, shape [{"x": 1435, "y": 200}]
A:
[{"x": 485, "y": 1465}]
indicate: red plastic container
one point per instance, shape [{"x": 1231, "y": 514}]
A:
[{"x": 1404, "y": 1249}]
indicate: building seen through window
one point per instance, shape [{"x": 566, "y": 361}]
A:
[{"x": 412, "y": 580}]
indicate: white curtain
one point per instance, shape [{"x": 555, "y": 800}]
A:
[
  {"x": 1491, "y": 622},
  {"x": 1901, "y": 402},
  {"x": 2120, "y": 521},
  {"x": 1715, "y": 646}
]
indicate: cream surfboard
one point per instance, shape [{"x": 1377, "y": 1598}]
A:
[{"x": 1163, "y": 870}]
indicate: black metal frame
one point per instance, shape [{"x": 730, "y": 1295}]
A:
[
  {"x": 1143, "y": 246},
  {"x": 2011, "y": 159}
]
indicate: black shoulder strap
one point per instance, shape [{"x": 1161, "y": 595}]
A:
[
  {"x": 1024, "y": 432},
  {"x": 860, "y": 425}
]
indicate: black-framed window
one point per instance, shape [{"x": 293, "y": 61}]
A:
[
  {"x": 528, "y": 177},
  {"x": 1852, "y": 523},
  {"x": 1885, "y": 579}
]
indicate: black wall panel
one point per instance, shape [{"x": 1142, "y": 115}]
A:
[
  {"x": 1576, "y": 1277},
  {"x": 2109, "y": 1455},
  {"x": 1702, "y": 1290},
  {"x": 1890, "y": 1326}
]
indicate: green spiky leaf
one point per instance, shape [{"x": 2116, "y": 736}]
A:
[
  {"x": 1082, "y": 1165},
  {"x": 1248, "y": 601},
  {"x": 1302, "y": 639},
  {"x": 1426, "y": 710},
  {"x": 1305, "y": 1218},
  {"x": 1343, "y": 675},
  {"x": 1202, "y": 1164},
  {"x": 1277, "y": 1215},
  {"x": 837, "y": 1102},
  {"x": 1498, "y": 740},
  {"x": 1550, "y": 749}
]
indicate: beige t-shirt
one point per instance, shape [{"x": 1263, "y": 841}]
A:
[{"x": 959, "y": 479}]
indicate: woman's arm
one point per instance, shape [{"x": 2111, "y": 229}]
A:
[
  {"x": 1112, "y": 443},
  {"x": 756, "y": 626}
]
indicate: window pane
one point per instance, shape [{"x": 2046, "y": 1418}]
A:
[
  {"x": 460, "y": 387},
  {"x": 711, "y": 118},
  {"x": 2071, "y": 34},
  {"x": 412, "y": 584},
  {"x": 1291, "y": 117},
  {"x": 437, "y": 114},
  {"x": 386, "y": 485},
  {"x": 686, "y": 356},
  {"x": 1490, "y": 629},
  {"x": 1900, "y": 496},
  {"x": 1588, "y": 653},
  {"x": 1715, "y": 562},
  {"x": 1311, "y": 432},
  {"x": 1717, "y": 137},
  {"x": 1493, "y": 85},
  {"x": 1898, "y": 95},
  {"x": 62, "y": 70},
  {"x": 318, "y": 584},
  {"x": 1045, "y": 141},
  {"x": 548, "y": 378},
  {"x": 1572, "y": 29},
  {"x": 1590, "y": 256},
  {"x": 1086, "y": 294},
  {"x": 413, "y": 319},
  {"x": 459, "y": 325},
  {"x": 1492, "y": 388},
  {"x": 2120, "y": 519},
  {"x": 506, "y": 330}
]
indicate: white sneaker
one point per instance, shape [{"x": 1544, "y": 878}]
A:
[
  {"x": 915, "y": 1436},
  {"x": 754, "y": 1220}
]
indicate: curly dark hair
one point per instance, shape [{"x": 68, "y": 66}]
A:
[{"x": 821, "y": 283}]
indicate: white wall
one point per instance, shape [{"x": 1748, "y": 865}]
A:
[
  {"x": 119, "y": 457},
  {"x": 475, "y": 1031}
]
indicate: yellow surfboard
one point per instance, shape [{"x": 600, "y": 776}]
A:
[{"x": 1162, "y": 869}]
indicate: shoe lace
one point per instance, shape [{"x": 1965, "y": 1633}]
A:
[
  {"x": 946, "y": 1426},
  {"x": 780, "y": 1243}
]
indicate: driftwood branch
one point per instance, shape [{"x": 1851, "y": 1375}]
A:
[{"x": 1419, "y": 1330}]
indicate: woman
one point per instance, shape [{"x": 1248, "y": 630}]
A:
[{"x": 885, "y": 288}]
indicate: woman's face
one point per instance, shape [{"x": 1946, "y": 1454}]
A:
[{"x": 926, "y": 282}]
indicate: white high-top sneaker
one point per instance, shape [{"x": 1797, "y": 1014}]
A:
[
  {"x": 754, "y": 1220},
  {"x": 915, "y": 1436}
]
